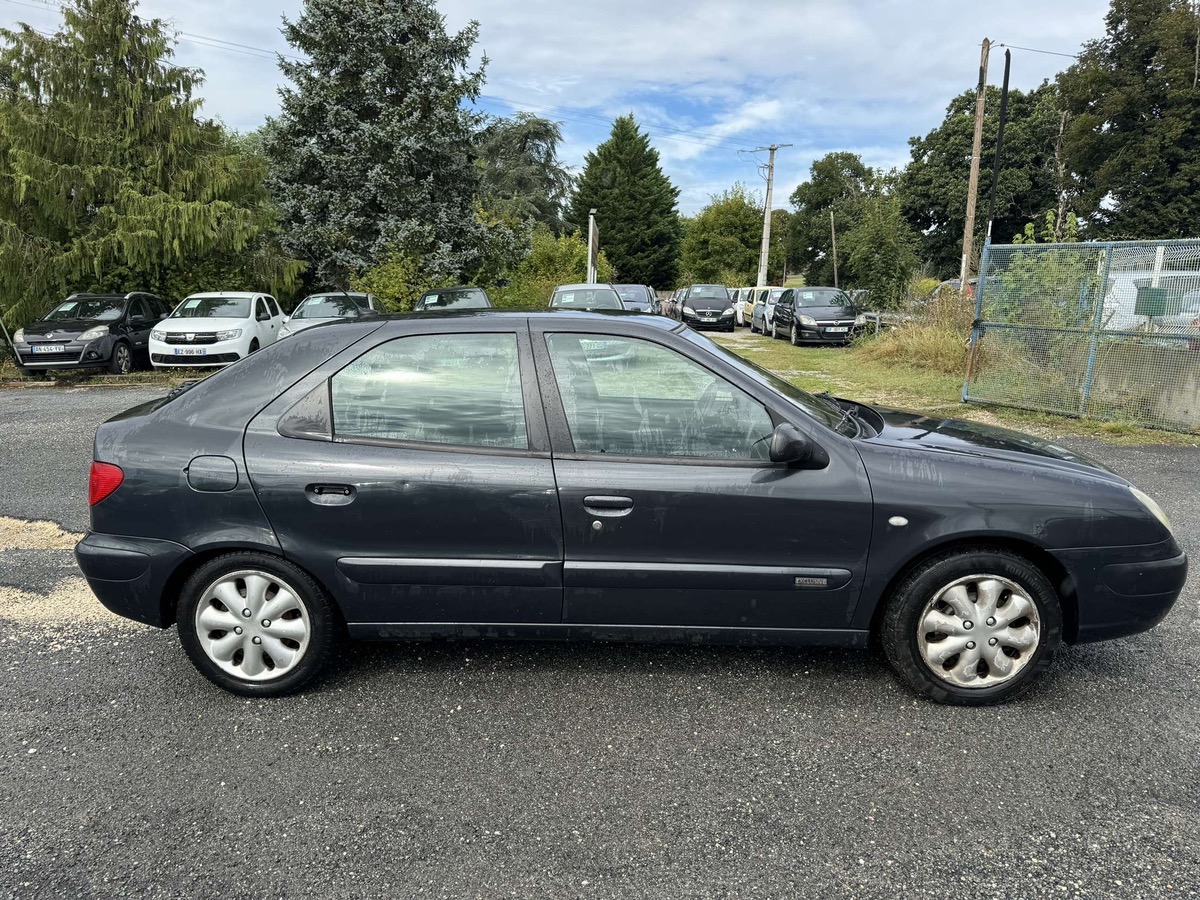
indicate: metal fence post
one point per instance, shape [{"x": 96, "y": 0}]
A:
[
  {"x": 977, "y": 324},
  {"x": 1089, "y": 378}
]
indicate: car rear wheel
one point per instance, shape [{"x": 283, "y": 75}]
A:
[
  {"x": 254, "y": 624},
  {"x": 774, "y": 331},
  {"x": 121, "y": 362},
  {"x": 794, "y": 336},
  {"x": 972, "y": 627}
]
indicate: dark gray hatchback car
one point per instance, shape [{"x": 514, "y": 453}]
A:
[{"x": 545, "y": 475}]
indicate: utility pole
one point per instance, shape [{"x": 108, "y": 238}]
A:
[
  {"x": 968, "y": 245},
  {"x": 833, "y": 236},
  {"x": 593, "y": 258},
  {"x": 765, "y": 252}
]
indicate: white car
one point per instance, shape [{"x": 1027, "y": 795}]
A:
[
  {"x": 215, "y": 329},
  {"x": 318, "y": 309}
]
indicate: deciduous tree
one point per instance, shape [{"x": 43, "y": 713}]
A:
[{"x": 721, "y": 243}]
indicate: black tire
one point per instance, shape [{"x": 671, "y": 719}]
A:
[
  {"x": 900, "y": 633},
  {"x": 322, "y": 624},
  {"x": 35, "y": 374},
  {"x": 253, "y": 346},
  {"x": 774, "y": 330},
  {"x": 753, "y": 330},
  {"x": 794, "y": 336},
  {"x": 121, "y": 361}
]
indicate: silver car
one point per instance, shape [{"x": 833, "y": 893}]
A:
[{"x": 763, "y": 314}]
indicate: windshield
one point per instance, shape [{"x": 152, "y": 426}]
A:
[
  {"x": 453, "y": 300},
  {"x": 708, "y": 291},
  {"x": 328, "y": 306},
  {"x": 822, "y": 297},
  {"x": 814, "y": 407},
  {"x": 213, "y": 308},
  {"x": 775, "y": 294},
  {"x": 633, "y": 293},
  {"x": 105, "y": 310},
  {"x": 586, "y": 298}
]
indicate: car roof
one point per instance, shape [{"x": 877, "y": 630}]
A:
[
  {"x": 552, "y": 314},
  {"x": 238, "y": 294},
  {"x": 582, "y": 287}
]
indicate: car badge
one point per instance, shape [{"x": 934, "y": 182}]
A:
[
  {"x": 190, "y": 337},
  {"x": 49, "y": 334}
]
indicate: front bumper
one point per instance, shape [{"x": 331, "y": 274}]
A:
[
  {"x": 722, "y": 323},
  {"x": 129, "y": 574},
  {"x": 820, "y": 334},
  {"x": 221, "y": 353},
  {"x": 74, "y": 355},
  {"x": 1121, "y": 591}
]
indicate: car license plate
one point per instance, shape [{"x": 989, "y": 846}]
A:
[
  {"x": 190, "y": 351},
  {"x": 841, "y": 329},
  {"x": 49, "y": 348},
  {"x": 709, "y": 319}
]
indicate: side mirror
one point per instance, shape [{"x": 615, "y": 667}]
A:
[
  {"x": 790, "y": 445},
  {"x": 264, "y": 317}
]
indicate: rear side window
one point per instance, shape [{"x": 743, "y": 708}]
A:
[{"x": 462, "y": 389}]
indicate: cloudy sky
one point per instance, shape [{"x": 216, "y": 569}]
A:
[{"x": 709, "y": 79}]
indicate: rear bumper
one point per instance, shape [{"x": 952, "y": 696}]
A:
[
  {"x": 1123, "y": 590},
  {"x": 129, "y": 574}
]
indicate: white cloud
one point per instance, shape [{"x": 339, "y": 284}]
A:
[{"x": 705, "y": 77}]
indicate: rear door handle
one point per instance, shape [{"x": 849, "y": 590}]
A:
[
  {"x": 608, "y": 505},
  {"x": 330, "y": 494}
]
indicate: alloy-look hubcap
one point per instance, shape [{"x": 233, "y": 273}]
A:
[
  {"x": 252, "y": 625},
  {"x": 979, "y": 631}
]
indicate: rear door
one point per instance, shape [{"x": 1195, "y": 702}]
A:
[
  {"x": 672, "y": 513},
  {"x": 140, "y": 318},
  {"x": 413, "y": 478}
]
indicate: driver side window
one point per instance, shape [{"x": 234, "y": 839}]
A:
[{"x": 630, "y": 397}]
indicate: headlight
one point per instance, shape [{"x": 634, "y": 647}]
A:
[
  {"x": 158, "y": 335},
  {"x": 861, "y": 319},
  {"x": 807, "y": 320},
  {"x": 92, "y": 333},
  {"x": 728, "y": 312},
  {"x": 19, "y": 336},
  {"x": 688, "y": 311},
  {"x": 1152, "y": 507},
  {"x": 284, "y": 332},
  {"x": 232, "y": 335}
]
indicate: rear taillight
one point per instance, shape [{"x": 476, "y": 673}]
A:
[{"x": 105, "y": 479}]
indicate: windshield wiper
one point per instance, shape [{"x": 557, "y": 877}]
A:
[{"x": 850, "y": 413}]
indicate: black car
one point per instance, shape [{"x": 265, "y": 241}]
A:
[
  {"x": 453, "y": 298},
  {"x": 707, "y": 306},
  {"x": 637, "y": 297},
  {"x": 546, "y": 475},
  {"x": 91, "y": 331},
  {"x": 816, "y": 315}
]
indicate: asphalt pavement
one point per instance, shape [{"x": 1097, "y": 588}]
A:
[{"x": 474, "y": 769}]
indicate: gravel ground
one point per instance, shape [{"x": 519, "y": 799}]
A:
[{"x": 524, "y": 770}]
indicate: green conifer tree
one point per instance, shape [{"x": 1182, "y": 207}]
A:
[
  {"x": 107, "y": 178},
  {"x": 372, "y": 156},
  {"x": 635, "y": 207}
]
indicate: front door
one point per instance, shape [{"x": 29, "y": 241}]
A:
[
  {"x": 413, "y": 478},
  {"x": 673, "y": 513}
]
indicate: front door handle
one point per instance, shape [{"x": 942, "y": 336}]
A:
[
  {"x": 608, "y": 506},
  {"x": 330, "y": 494}
]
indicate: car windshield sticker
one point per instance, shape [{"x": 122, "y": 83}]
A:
[{"x": 191, "y": 304}]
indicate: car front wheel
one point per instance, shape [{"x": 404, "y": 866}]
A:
[
  {"x": 254, "y": 624},
  {"x": 794, "y": 335},
  {"x": 774, "y": 331},
  {"x": 972, "y": 627},
  {"x": 121, "y": 362}
]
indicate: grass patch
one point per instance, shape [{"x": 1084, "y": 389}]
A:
[{"x": 887, "y": 378}]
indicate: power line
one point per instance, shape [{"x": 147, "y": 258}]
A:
[{"x": 1035, "y": 50}]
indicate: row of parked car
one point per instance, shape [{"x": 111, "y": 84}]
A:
[
  {"x": 120, "y": 332},
  {"x": 803, "y": 315}
]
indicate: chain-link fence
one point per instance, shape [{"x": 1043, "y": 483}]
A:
[{"x": 1106, "y": 331}]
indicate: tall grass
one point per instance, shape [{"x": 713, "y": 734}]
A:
[{"x": 931, "y": 332}]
